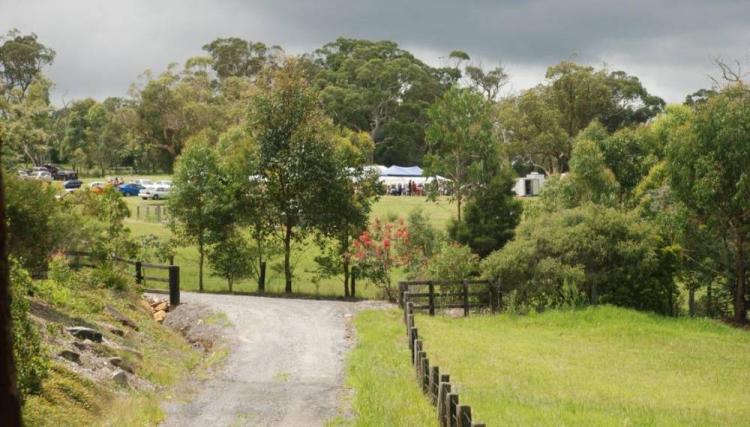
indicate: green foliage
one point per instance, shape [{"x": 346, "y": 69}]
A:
[
  {"x": 424, "y": 241},
  {"x": 28, "y": 351},
  {"x": 234, "y": 57},
  {"x": 489, "y": 217},
  {"x": 609, "y": 256},
  {"x": 231, "y": 258},
  {"x": 453, "y": 262}
]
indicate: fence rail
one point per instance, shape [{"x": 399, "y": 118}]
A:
[
  {"x": 445, "y": 294},
  {"x": 173, "y": 271},
  {"x": 154, "y": 213},
  {"x": 436, "y": 385}
]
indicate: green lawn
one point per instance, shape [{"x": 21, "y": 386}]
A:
[
  {"x": 381, "y": 376},
  {"x": 599, "y": 366},
  {"x": 304, "y": 255}
]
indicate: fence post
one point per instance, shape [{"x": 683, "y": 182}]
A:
[
  {"x": 413, "y": 336},
  {"x": 174, "y": 285},
  {"x": 452, "y": 409},
  {"x": 354, "y": 281},
  {"x": 262, "y": 277},
  {"x": 466, "y": 297},
  {"x": 442, "y": 402},
  {"x": 424, "y": 372},
  {"x": 401, "y": 290},
  {"x": 431, "y": 287},
  {"x": 409, "y": 309},
  {"x": 417, "y": 352},
  {"x": 139, "y": 272},
  {"x": 421, "y": 357},
  {"x": 464, "y": 416},
  {"x": 434, "y": 383}
]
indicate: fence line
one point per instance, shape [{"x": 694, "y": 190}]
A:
[
  {"x": 159, "y": 213},
  {"x": 452, "y": 294},
  {"x": 140, "y": 267},
  {"x": 435, "y": 385}
]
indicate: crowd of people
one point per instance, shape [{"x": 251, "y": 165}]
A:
[{"x": 410, "y": 189}]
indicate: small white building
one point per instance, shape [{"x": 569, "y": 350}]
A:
[{"x": 530, "y": 185}]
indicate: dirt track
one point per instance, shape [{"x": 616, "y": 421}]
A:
[{"x": 285, "y": 367}]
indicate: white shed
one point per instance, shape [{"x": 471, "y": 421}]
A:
[{"x": 530, "y": 185}]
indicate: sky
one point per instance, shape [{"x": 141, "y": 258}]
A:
[{"x": 104, "y": 46}]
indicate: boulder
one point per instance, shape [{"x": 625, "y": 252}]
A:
[
  {"x": 70, "y": 355},
  {"x": 122, "y": 364},
  {"x": 120, "y": 377},
  {"x": 160, "y": 315},
  {"x": 118, "y": 332},
  {"x": 83, "y": 333}
]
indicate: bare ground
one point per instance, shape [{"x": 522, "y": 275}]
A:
[{"x": 285, "y": 367}]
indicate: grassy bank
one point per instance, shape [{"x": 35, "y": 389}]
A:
[
  {"x": 599, "y": 366},
  {"x": 303, "y": 258},
  {"x": 381, "y": 376}
]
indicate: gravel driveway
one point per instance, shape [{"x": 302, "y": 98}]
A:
[{"x": 285, "y": 367}]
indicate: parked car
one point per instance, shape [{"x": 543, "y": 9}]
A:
[
  {"x": 145, "y": 183},
  {"x": 41, "y": 175},
  {"x": 155, "y": 193},
  {"x": 72, "y": 185},
  {"x": 97, "y": 186},
  {"x": 60, "y": 174},
  {"x": 164, "y": 183},
  {"x": 130, "y": 189}
]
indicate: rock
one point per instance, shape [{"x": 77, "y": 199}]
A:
[
  {"x": 118, "y": 332},
  {"x": 70, "y": 355},
  {"x": 160, "y": 315},
  {"x": 120, "y": 377},
  {"x": 83, "y": 346},
  {"x": 122, "y": 364},
  {"x": 82, "y": 332},
  {"x": 162, "y": 306},
  {"x": 145, "y": 304},
  {"x": 125, "y": 320}
]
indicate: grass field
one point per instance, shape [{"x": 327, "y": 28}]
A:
[
  {"x": 598, "y": 366},
  {"x": 380, "y": 374},
  {"x": 303, "y": 258}
]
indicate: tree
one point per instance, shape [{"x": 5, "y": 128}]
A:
[
  {"x": 489, "y": 82},
  {"x": 200, "y": 204},
  {"x": 489, "y": 217},
  {"x": 235, "y": 57},
  {"x": 462, "y": 143},
  {"x": 381, "y": 89},
  {"x": 231, "y": 258},
  {"x": 22, "y": 58},
  {"x": 297, "y": 165},
  {"x": 707, "y": 170}
]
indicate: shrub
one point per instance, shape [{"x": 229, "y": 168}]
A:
[
  {"x": 453, "y": 262},
  {"x": 603, "y": 254},
  {"x": 378, "y": 250},
  {"x": 30, "y": 356}
]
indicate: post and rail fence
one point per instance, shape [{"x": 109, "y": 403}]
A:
[
  {"x": 450, "y": 294},
  {"x": 152, "y": 213},
  {"x": 142, "y": 272},
  {"x": 436, "y": 385}
]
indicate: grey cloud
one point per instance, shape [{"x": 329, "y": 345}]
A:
[{"x": 103, "y": 46}]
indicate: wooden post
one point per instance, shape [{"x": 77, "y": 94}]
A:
[
  {"x": 424, "y": 372},
  {"x": 139, "y": 272},
  {"x": 262, "y": 277},
  {"x": 466, "y": 297},
  {"x": 418, "y": 353},
  {"x": 464, "y": 416},
  {"x": 434, "y": 383},
  {"x": 442, "y": 402},
  {"x": 452, "y": 409},
  {"x": 354, "y": 281},
  {"x": 413, "y": 336},
  {"x": 409, "y": 309},
  {"x": 174, "y": 285},
  {"x": 401, "y": 289},
  {"x": 431, "y": 287},
  {"x": 421, "y": 356}
]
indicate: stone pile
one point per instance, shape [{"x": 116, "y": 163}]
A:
[{"x": 158, "y": 307}]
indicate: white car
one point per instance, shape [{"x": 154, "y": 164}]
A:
[
  {"x": 41, "y": 175},
  {"x": 164, "y": 183},
  {"x": 145, "y": 183},
  {"x": 154, "y": 193}
]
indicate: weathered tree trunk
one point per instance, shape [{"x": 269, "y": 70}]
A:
[
  {"x": 10, "y": 402},
  {"x": 691, "y": 301},
  {"x": 287, "y": 259},
  {"x": 346, "y": 277},
  {"x": 740, "y": 309},
  {"x": 230, "y": 281},
  {"x": 345, "y": 262}
]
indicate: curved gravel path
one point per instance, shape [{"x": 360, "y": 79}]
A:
[{"x": 285, "y": 367}]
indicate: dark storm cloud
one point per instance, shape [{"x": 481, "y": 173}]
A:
[{"x": 103, "y": 46}]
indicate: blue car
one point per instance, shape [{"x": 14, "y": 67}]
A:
[{"x": 130, "y": 189}]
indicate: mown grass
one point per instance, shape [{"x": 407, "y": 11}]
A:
[
  {"x": 303, "y": 257},
  {"x": 381, "y": 377},
  {"x": 598, "y": 366}
]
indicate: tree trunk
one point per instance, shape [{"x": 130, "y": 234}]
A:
[
  {"x": 229, "y": 282},
  {"x": 10, "y": 402},
  {"x": 287, "y": 259},
  {"x": 346, "y": 277},
  {"x": 710, "y": 299},
  {"x": 740, "y": 310},
  {"x": 345, "y": 262},
  {"x": 691, "y": 301},
  {"x": 200, "y": 266}
]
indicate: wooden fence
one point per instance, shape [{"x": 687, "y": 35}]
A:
[
  {"x": 436, "y": 385},
  {"x": 447, "y": 294},
  {"x": 142, "y": 272},
  {"x": 153, "y": 213}
]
